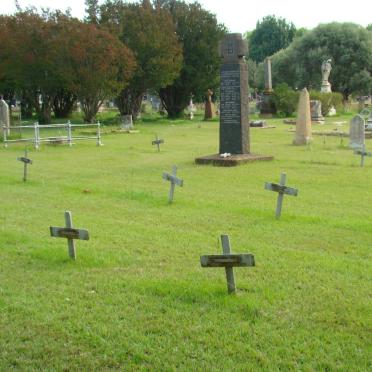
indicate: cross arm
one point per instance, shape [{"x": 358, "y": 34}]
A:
[
  {"x": 173, "y": 179},
  {"x": 280, "y": 188},
  {"x": 69, "y": 233},
  {"x": 25, "y": 160},
  {"x": 227, "y": 260},
  {"x": 361, "y": 152}
]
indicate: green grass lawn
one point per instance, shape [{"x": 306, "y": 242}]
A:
[{"x": 137, "y": 298}]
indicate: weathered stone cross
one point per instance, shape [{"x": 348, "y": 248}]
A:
[
  {"x": 363, "y": 153},
  {"x": 70, "y": 233},
  {"x": 25, "y": 161},
  {"x": 157, "y": 142},
  {"x": 174, "y": 181},
  {"x": 281, "y": 189},
  {"x": 228, "y": 260}
]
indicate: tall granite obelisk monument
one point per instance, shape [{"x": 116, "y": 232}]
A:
[
  {"x": 267, "y": 108},
  {"x": 234, "y": 110},
  {"x": 234, "y": 147}
]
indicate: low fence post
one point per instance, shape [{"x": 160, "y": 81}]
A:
[
  {"x": 99, "y": 143},
  {"x": 69, "y": 136},
  {"x": 4, "y": 134},
  {"x": 36, "y": 135}
]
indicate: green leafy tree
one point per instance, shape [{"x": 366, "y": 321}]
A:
[
  {"x": 200, "y": 33},
  {"x": 49, "y": 55},
  {"x": 30, "y": 46},
  {"x": 348, "y": 45},
  {"x": 92, "y": 11},
  {"x": 150, "y": 33},
  {"x": 270, "y": 35},
  {"x": 101, "y": 66},
  {"x": 252, "y": 73}
]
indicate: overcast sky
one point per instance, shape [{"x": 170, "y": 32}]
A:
[{"x": 242, "y": 15}]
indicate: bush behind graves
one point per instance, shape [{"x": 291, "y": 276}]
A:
[
  {"x": 285, "y": 99},
  {"x": 327, "y": 100}
]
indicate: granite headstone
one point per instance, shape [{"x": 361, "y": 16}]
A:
[
  {"x": 357, "y": 132},
  {"x": 316, "y": 112}
]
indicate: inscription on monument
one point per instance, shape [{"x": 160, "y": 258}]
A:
[
  {"x": 234, "y": 122},
  {"x": 230, "y": 94}
]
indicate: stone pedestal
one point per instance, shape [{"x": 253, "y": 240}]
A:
[
  {"x": 234, "y": 110},
  {"x": 303, "y": 123},
  {"x": 267, "y": 107},
  {"x": 232, "y": 160},
  {"x": 326, "y": 87}
]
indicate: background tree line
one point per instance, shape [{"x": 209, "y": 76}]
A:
[
  {"x": 50, "y": 60},
  {"x": 297, "y": 55}
]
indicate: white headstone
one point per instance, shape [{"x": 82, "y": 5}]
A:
[
  {"x": 357, "y": 132},
  {"x": 4, "y": 116},
  {"x": 127, "y": 122}
]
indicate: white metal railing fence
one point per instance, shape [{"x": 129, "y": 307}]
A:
[{"x": 37, "y": 139}]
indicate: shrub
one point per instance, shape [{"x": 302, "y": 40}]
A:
[
  {"x": 327, "y": 100},
  {"x": 285, "y": 99}
]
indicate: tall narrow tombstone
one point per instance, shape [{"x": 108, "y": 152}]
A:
[
  {"x": 357, "y": 132},
  {"x": 208, "y": 113},
  {"x": 4, "y": 116},
  {"x": 303, "y": 123},
  {"x": 267, "y": 106},
  {"x": 234, "y": 110}
]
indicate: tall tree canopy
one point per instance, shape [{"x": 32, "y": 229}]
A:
[
  {"x": 150, "y": 33},
  {"x": 102, "y": 66},
  {"x": 270, "y": 35},
  {"x": 348, "y": 45},
  {"x": 44, "y": 56},
  {"x": 200, "y": 33}
]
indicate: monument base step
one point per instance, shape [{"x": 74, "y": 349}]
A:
[{"x": 232, "y": 160}]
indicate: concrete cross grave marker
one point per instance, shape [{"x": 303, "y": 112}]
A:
[
  {"x": 25, "y": 160},
  {"x": 174, "y": 181},
  {"x": 158, "y": 141},
  {"x": 281, "y": 189},
  {"x": 70, "y": 234},
  {"x": 228, "y": 260},
  {"x": 363, "y": 153}
]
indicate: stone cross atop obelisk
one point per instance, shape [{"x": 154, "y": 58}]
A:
[{"x": 234, "y": 121}]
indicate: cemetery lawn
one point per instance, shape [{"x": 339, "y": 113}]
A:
[{"x": 137, "y": 298}]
